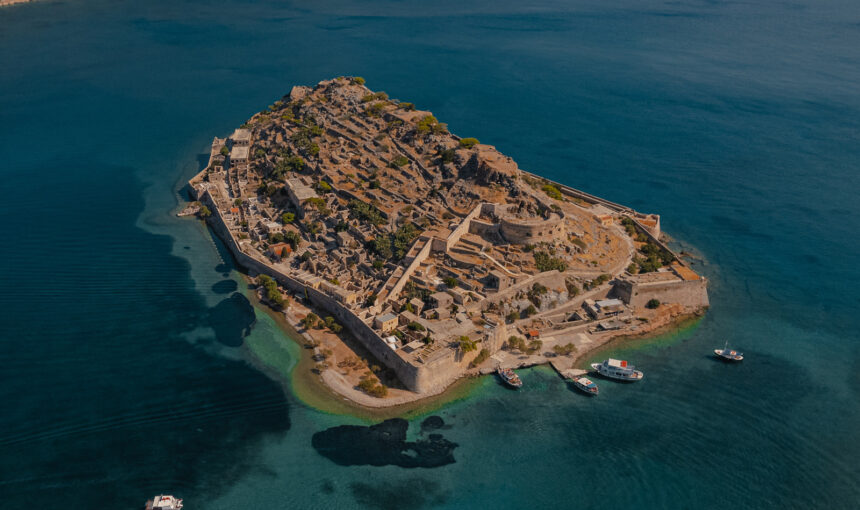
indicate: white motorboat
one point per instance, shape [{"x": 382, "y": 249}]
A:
[{"x": 618, "y": 369}]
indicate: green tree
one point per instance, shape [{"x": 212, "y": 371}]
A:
[
  {"x": 310, "y": 321},
  {"x": 293, "y": 238},
  {"x": 564, "y": 350},
  {"x": 465, "y": 344},
  {"x": 288, "y": 218},
  {"x": 225, "y": 151},
  {"x": 450, "y": 282},
  {"x": 652, "y": 304},
  {"x": 204, "y": 212}
]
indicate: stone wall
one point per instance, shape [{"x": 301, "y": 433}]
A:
[
  {"x": 417, "y": 379},
  {"x": 691, "y": 293},
  {"x": 407, "y": 274},
  {"x": 529, "y": 231}
]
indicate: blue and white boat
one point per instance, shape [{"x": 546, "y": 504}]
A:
[{"x": 585, "y": 385}]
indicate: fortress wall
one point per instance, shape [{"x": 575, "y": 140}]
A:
[
  {"x": 444, "y": 370},
  {"x": 550, "y": 279},
  {"x": 531, "y": 232},
  {"x": 419, "y": 258},
  {"x": 692, "y": 293},
  {"x": 482, "y": 228},
  {"x": 463, "y": 227},
  {"x": 415, "y": 378}
]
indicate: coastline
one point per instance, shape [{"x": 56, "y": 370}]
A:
[
  {"x": 6, "y": 3},
  {"x": 318, "y": 392},
  {"x": 312, "y": 390}
]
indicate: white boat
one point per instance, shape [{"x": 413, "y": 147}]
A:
[
  {"x": 729, "y": 354},
  {"x": 164, "y": 502},
  {"x": 510, "y": 377},
  {"x": 618, "y": 369},
  {"x": 585, "y": 385}
]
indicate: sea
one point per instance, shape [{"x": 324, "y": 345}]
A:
[{"x": 134, "y": 363}]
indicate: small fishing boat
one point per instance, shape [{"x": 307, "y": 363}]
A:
[
  {"x": 728, "y": 354},
  {"x": 618, "y": 369},
  {"x": 509, "y": 377},
  {"x": 164, "y": 502},
  {"x": 585, "y": 385}
]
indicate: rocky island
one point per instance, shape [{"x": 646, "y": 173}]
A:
[{"x": 408, "y": 257}]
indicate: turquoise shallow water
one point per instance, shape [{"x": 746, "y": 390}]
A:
[{"x": 123, "y": 332}]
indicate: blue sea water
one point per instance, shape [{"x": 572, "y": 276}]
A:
[{"x": 124, "y": 331}]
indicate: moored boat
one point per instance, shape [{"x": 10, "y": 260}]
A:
[
  {"x": 618, "y": 369},
  {"x": 509, "y": 377},
  {"x": 585, "y": 385},
  {"x": 164, "y": 502},
  {"x": 729, "y": 354}
]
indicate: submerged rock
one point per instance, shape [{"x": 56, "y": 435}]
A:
[
  {"x": 383, "y": 444},
  {"x": 432, "y": 423}
]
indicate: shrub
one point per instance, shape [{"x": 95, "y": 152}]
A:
[
  {"x": 551, "y": 191},
  {"x": 546, "y": 262},
  {"x": 534, "y": 346},
  {"x": 416, "y": 326},
  {"x": 358, "y": 80},
  {"x": 600, "y": 280},
  {"x": 366, "y": 212},
  {"x": 513, "y": 316},
  {"x": 204, "y": 212},
  {"x": 450, "y": 281},
  {"x": 323, "y": 187},
  {"x": 468, "y": 143},
  {"x": 428, "y": 124},
  {"x": 407, "y": 106},
  {"x": 564, "y": 350},
  {"x": 225, "y": 151},
  {"x": 375, "y": 110},
  {"x": 465, "y": 344},
  {"x": 652, "y": 304},
  {"x": 516, "y": 343},
  {"x": 374, "y": 96},
  {"x": 288, "y": 218},
  {"x": 399, "y": 161},
  {"x": 447, "y": 155},
  {"x": 371, "y": 386},
  {"x": 482, "y": 356}
]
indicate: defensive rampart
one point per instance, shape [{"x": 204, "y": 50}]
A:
[
  {"x": 416, "y": 378},
  {"x": 637, "y": 293}
]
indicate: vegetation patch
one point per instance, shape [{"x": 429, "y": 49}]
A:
[{"x": 546, "y": 262}]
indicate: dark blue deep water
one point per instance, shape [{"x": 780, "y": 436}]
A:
[{"x": 126, "y": 363}]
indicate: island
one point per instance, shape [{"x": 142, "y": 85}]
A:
[{"x": 408, "y": 257}]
